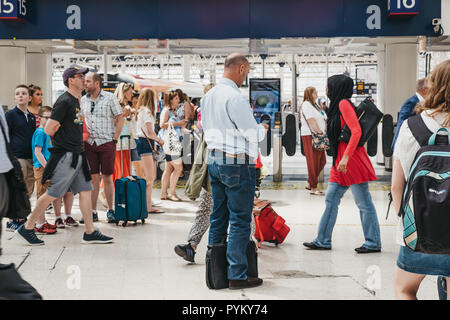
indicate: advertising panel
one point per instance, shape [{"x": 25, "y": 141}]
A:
[{"x": 265, "y": 98}]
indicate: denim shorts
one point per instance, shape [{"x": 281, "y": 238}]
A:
[
  {"x": 143, "y": 148},
  {"x": 421, "y": 263}
]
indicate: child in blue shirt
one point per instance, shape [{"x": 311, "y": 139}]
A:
[{"x": 41, "y": 143}]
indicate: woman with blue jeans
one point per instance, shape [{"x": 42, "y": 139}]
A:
[{"x": 351, "y": 169}]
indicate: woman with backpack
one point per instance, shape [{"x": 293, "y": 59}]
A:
[
  {"x": 351, "y": 169},
  {"x": 413, "y": 266}
]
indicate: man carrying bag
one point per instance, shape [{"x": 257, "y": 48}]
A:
[{"x": 14, "y": 204}]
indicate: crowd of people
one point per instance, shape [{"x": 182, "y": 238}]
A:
[{"x": 84, "y": 143}]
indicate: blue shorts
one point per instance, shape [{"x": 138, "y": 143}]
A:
[
  {"x": 421, "y": 263},
  {"x": 143, "y": 148}
]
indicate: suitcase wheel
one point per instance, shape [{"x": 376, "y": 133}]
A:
[
  {"x": 124, "y": 224},
  {"x": 117, "y": 223},
  {"x": 143, "y": 220}
]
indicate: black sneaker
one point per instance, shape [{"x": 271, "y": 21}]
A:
[
  {"x": 313, "y": 246},
  {"x": 96, "y": 237},
  {"x": 111, "y": 216},
  {"x": 94, "y": 217},
  {"x": 29, "y": 236},
  {"x": 13, "y": 225},
  {"x": 186, "y": 252}
]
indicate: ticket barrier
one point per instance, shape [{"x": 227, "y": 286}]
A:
[{"x": 284, "y": 134}]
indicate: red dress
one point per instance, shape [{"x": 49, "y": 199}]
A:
[{"x": 359, "y": 167}]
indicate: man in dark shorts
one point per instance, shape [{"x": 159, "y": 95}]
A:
[
  {"x": 67, "y": 167},
  {"x": 104, "y": 122}
]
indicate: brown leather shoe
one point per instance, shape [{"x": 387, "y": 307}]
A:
[{"x": 242, "y": 284}]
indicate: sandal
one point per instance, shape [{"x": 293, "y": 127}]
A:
[
  {"x": 317, "y": 193},
  {"x": 307, "y": 187},
  {"x": 156, "y": 211},
  {"x": 166, "y": 197},
  {"x": 172, "y": 197}
]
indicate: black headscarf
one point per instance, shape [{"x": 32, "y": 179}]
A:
[{"x": 339, "y": 87}]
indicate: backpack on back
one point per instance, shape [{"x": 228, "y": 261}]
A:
[
  {"x": 270, "y": 226},
  {"x": 425, "y": 208}
]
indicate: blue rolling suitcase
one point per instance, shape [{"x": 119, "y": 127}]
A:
[{"x": 130, "y": 196}]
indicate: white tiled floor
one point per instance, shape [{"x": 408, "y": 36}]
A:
[{"x": 141, "y": 264}]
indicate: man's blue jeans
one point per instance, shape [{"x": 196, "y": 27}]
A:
[
  {"x": 368, "y": 215},
  {"x": 233, "y": 191}
]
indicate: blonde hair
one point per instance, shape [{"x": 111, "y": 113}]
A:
[
  {"x": 438, "y": 96},
  {"x": 120, "y": 90},
  {"x": 146, "y": 100},
  {"x": 208, "y": 87}
]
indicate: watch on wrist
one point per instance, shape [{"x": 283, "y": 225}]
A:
[{"x": 115, "y": 141}]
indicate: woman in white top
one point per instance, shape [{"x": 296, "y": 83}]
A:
[
  {"x": 124, "y": 94},
  {"x": 145, "y": 132},
  {"x": 312, "y": 118},
  {"x": 412, "y": 266},
  {"x": 174, "y": 164}
]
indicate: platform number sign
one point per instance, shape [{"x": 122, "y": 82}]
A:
[
  {"x": 13, "y": 9},
  {"x": 403, "y": 8}
]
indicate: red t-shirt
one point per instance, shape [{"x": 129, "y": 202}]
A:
[{"x": 359, "y": 167}]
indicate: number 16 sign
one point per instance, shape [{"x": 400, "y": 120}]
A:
[{"x": 13, "y": 9}]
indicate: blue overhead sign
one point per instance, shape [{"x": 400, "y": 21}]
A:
[
  {"x": 13, "y": 9},
  {"x": 403, "y": 7},
  {"x": 213, "y": 19}
]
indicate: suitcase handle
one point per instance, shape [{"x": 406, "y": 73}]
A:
[{"x": 127, "y": 136}]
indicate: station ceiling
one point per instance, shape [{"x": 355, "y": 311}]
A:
[{"x": 302, "y": 46}]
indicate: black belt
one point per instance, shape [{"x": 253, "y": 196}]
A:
[{"x": 231, "y": 155}]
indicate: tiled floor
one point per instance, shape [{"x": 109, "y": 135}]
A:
[{"x": 141, "y": 264}]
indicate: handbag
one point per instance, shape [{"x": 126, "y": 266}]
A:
[
  {"x": 217, "y": 264},
  {"x": 19, "y": 203},
  {"x": 172, "y": 145},
  {"x": 369, "y": 116},
  {"x": 320, "y": 142}
]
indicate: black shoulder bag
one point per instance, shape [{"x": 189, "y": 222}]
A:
[
  {"x": 369, "y": 116},
  {"x": 19, "y": 203}
]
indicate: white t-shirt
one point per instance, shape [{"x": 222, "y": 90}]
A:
[
  {"x": 144, "y": 116},
  {"x": 406, "y": 148},
  {"x": 308, "y": 111}
]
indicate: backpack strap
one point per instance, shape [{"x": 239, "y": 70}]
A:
[{"x": 419, "y": 130}]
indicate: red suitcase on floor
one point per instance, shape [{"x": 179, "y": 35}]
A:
[{"x": 270, "y": 226}]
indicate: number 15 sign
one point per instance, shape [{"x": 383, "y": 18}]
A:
[{"x": 13, "y": 9}]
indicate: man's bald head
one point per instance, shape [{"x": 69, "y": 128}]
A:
[
  {"x": 235, "y": 60},
  {"x": 236, "y": 68}
]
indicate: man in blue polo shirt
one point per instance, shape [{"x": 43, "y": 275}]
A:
[{"x": 22, "y": 125}]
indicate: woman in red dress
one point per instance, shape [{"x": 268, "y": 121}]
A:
[{"x": 351, "y": 169}]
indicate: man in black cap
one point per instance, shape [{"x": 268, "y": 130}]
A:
[{"x": 67, "y": 167}]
